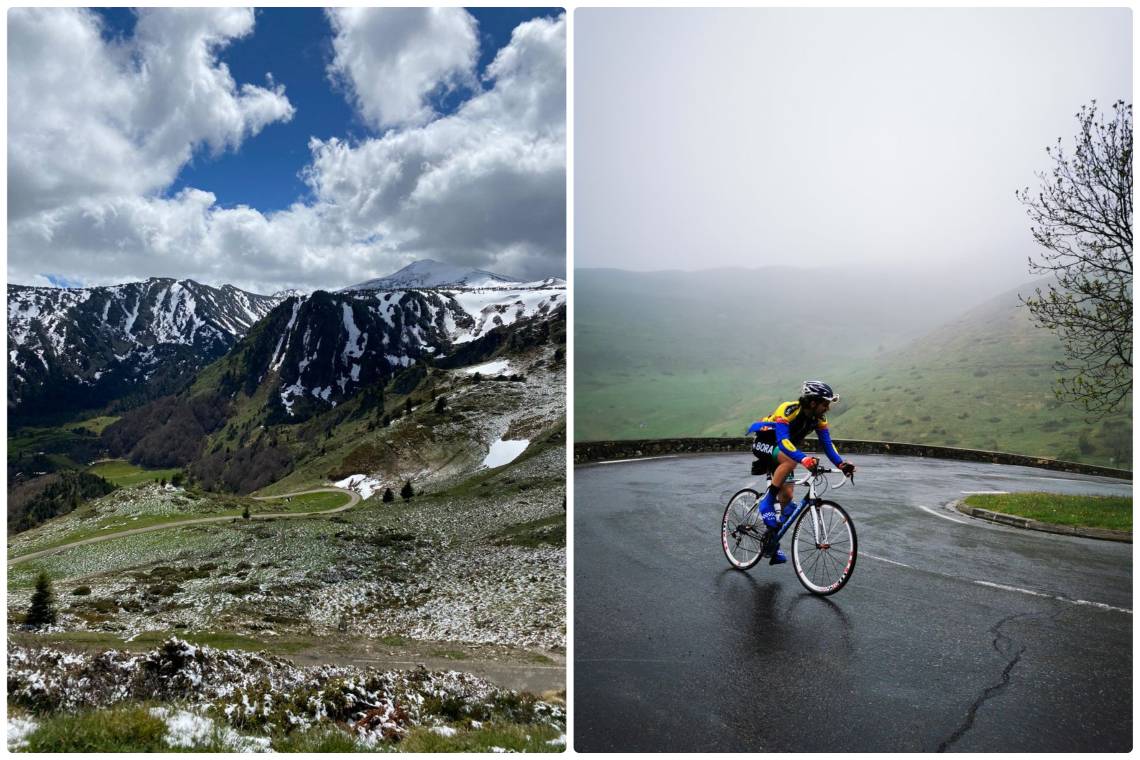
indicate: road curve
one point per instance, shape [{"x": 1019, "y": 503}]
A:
[
  {"x": 953, "y": 634},
  {"x": 354, "y": 499}
]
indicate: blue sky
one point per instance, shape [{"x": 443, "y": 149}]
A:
[
  {"x": 295, "y": 45},
  {"x": 284, "y": 147}
]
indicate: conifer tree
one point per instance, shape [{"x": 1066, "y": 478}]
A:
[{"x": 42, "y": 609}]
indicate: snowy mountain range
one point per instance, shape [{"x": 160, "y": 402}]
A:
[
  {"x": 428, "y": 273},
  {"x": 72, "y": 348},
  {"x": 323, "y": 348}
]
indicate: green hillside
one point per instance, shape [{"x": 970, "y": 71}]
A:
[
  {"x": 659, "y": 354},
  {"x": 983, "y": 379}
]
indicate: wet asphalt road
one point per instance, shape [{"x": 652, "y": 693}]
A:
[{"x": 676, "y": 651}]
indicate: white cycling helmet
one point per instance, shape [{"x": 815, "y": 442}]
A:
[{"x": 818, "y": 389}]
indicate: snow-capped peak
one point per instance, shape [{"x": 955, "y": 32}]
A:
[
  {"x": 106, "y": 341},
  {"x": 428, "y": 273},
  {"x": 287, "y": 293}
]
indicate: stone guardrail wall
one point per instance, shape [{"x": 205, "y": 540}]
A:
[{"x": 596, "y": 451}]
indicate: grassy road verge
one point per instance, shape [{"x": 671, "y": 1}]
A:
[{"x": 1111, "y": 512}]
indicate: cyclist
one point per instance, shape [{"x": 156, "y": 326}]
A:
[{"x": 777, "y": 437}]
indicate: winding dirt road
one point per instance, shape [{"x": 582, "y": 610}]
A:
[{"x": 354, "y": 499}]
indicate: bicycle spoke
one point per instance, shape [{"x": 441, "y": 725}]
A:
[
  {"x": 833, "y": 564},
  {"x": 739, "y": 530},
  {"x": 831, "y": 524},
  {"x": 822, "y": 569},
  {"x": 815, "y": 559}
]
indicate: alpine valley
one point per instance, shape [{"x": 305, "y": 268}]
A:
[{"x": 348, "y": 483}]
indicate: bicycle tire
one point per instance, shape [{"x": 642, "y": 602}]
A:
[
  {"x": 746, "y": 544},
  {"x": 815, "y": 563}
]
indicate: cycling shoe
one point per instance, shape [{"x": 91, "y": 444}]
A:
[
  {"x": 767, "y": 509},
  {"x": 778, "y": 558}
]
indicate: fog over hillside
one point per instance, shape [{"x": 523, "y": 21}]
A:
[
  {"x": 739, "y": 320},
  {"x": 915, "y": 358}
]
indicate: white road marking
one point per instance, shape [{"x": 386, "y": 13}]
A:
[
  {"x": 944, "y": 517},
  {"x": 993, "y": 492},
  {"x": 1101, "y": 605},
  {"x": 641, "y": 459},
  {"x": 1003, "y": 587},
  {"x": 884, "y": 559}
]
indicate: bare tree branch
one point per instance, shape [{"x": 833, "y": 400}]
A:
[{"x": 1082, "y": 218}]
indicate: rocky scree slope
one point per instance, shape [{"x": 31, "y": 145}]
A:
[
  {"x": 71, "y": 349},
  {"x": 250, "y": 702}
]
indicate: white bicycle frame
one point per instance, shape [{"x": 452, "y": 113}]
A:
[{"x": 809, "y": 500}]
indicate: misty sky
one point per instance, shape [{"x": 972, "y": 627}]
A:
[
  {"x": 284, "y": 147},
  {"x": 828, "y": 137}
]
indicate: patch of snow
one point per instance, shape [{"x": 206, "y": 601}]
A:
[
  {"x": 278, "y": 353},
  {"x": 350, "y": 345},
  {"x": 444, "y": 730},
  {"x": 559, "y": 742},
  {"x": 362, "y": 484},
  {"x": 19, "y": 729},
  {"x": 490, "y": 369},
  {"x": 503, "y": 452},
  {"x": 130, "y": 320},
  {"x": 184, "y": 728}
]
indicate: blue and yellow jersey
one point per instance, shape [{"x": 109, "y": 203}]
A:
[{"x": 789, "y": 425}]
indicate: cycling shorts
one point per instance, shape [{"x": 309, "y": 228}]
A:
[{"x": 764, "y": 447}]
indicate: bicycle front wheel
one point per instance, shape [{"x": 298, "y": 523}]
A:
[
  {"x": 742, "y": 530},
  {"x": 824, "y": 548}
]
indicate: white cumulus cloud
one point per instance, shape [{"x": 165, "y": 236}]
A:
[
  {"x": 88, "y": 118},
  {"x": 392, "y": 59},
  {"x": 483, "y": 186}
]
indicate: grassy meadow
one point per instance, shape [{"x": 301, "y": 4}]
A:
[{"x": 124, "y": 474}]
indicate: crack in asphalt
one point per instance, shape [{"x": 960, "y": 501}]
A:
[{"x": 1003, "y": 645}]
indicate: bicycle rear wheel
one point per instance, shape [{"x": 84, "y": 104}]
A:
[
  {"x": 825, "y": 561},
  {"x": 742, "y": 530}
]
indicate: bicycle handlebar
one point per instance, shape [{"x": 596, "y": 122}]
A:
[{"x": 819, "y": 472}]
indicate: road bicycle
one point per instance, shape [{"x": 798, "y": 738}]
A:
[{"x": 824, "y": 546}]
